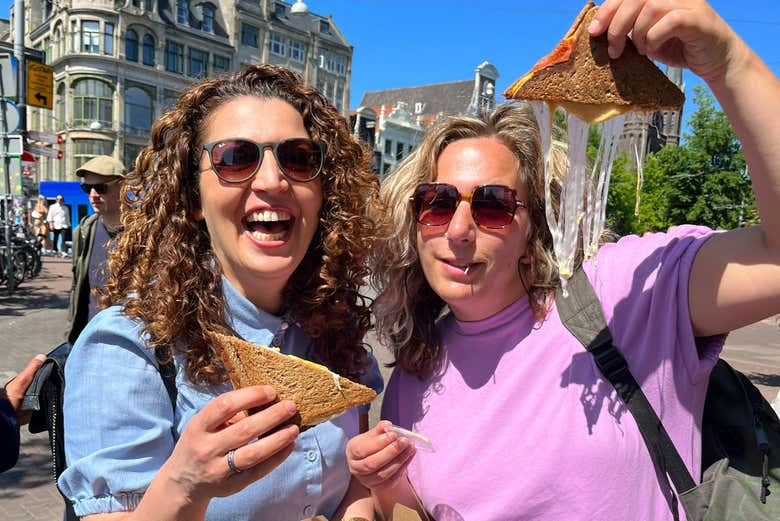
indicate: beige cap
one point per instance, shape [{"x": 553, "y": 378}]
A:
[{"x": 102, "y": 165}]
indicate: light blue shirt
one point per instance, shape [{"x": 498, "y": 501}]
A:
[{"x": 120, "y": 427}]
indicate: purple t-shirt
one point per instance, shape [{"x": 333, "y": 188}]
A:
[{"x": 524, "y": 426}]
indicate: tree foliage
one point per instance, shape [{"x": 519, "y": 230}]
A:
[{"x": 703, "y": 181}]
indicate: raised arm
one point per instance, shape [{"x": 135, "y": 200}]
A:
[{"x": 735, "y": 278}]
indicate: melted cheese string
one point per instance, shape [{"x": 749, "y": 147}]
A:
[{"x": 584, "y": 191}]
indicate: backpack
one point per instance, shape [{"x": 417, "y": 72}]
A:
[
  {"x": 740, "y": 431},
  {"x": 44, "y": 399}
]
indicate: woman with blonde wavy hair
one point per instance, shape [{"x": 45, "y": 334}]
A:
[
  {"x": 245, "y": 215},
  {"x": 521, "y": 421}
]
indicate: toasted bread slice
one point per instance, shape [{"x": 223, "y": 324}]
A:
[
  {"x": 580, "y": 76},
  {"x": 318, "y": 393}
]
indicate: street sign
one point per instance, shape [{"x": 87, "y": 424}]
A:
[
  {"x": 40, "y": 85},
  {"x": 37, "y": 150},
  {"x": 44, "y": 137},
  {"x": 9, "y": 116},
  {"x": 8, "y": 76}
]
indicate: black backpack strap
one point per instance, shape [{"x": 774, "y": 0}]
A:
[
  {"x": 581, "y": 314},
  {"x": 168, "y": 373}
]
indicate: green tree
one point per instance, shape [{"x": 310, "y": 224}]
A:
[{"x": 711, "y": 186}]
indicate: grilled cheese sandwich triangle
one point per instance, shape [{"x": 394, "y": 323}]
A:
[
  {"x": 579, "y": 76},
  {"x": 318, "y": 393}
]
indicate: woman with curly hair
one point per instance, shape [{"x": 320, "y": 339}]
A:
[
  {"x": 521, "y": 420},
  {"x": 245, "y": 215}
]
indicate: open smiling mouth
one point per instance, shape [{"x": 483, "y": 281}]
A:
[{"x": 269, "y": 225}]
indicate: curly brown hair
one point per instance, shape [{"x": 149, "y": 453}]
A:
[
  {"x": 407, "y": 308},
  {"x": 164, "y": 272}
]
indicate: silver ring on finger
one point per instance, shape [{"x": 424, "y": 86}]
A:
[{"x": 231, "y": 462}]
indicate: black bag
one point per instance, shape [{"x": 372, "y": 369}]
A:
[
  {"x": 740, "y": 430},
  {"x": 44, "y": 399}
]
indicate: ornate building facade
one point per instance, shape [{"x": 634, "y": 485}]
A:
[
  {"x": 119, "y": 64},
  {"x": 393, "y": 121}
]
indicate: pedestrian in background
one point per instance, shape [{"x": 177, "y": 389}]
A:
[
  {"x": 59, "y": 223},
  {"x": 39, "y": 216},
  {"x": 101, "y": 181}
]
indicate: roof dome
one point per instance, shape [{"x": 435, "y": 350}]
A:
[{"x": 299, "y": 7}]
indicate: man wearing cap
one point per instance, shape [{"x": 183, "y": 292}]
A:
[{"x": 101, "y": 180}]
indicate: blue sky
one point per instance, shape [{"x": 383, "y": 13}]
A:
[{"x": 401, "y": 43}]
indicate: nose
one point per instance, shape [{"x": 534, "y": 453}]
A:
[
  {"x": 269, "y": 178},
  {"x": 462, "y": 227}
]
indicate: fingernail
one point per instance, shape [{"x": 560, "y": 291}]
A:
[
  {"x": 612, "y": 52},
  {"x": 290, "y": 406},
  {"x": 594, "y": 27},
  {"x": 42, "y": 358}
]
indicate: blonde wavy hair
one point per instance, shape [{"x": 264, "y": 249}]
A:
[
  {"x": 406, "y": 308},
  {"x": 164, "y": 272}
]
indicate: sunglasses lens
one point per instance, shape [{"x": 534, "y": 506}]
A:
[
  {"x": 434, "y": 204},
  {"x": 493, "y": 206},
  {"x": 300, "y": 158},
  {"x": 100, "y": 188},
  {"x": 235, "y": 160}
]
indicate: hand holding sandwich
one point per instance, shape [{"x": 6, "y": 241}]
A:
[
  {"x": 197, "y": 470},
  {"x": 691, "y": 34},
  {"x": 685, "y": 33}
]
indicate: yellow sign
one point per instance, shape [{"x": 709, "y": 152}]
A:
[{"x": 40, "y": 85}]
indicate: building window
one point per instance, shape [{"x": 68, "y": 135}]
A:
[
  {"x": 297, "y": 51},
  {"x": 138, "y": 111},
  {"x": 250, "y": 35},
  {"x": 86, "y": 149},
  {"x": 131, "y": 153},
  {"x": 174, "y": 57},
  {"x": 388, "y": 147},
  {"x": 148, "y": 56},
  {"x": 59, "y": 106},
  {"x": 399, "y": 151},
  {"x": 90, "y": 37},
  {"x": 198, "y": 62},
  {"x": 208, "y": 18},
  {"x": 148, "y": 5},
  {"x": 136, "y": 3},
  {"x": 276, "y": 45},
  {"x": 183, "y": 11},
  {"x": 108, "y": 39},
  {"x": 169, "y": 99},
  {"x": 131, "y": 45},
  {"x": 279, "y": 9},
  {"x": 93, "y": 101},
  {"x": 221, "y": 64},
  {"x": 324, "y": 27},
  {"x": 339, "y": 96},
  {"x": 47, "y": 8}
]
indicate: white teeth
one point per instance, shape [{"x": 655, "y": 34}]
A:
[
  {"x": 268, "y": 216},
  {"x": 260, "y": 236},
  {"x": 466, "y": 271}
]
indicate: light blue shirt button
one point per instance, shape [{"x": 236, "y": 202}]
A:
[
  {"x": 311, "y": 455},
  {"x": 308, "y": 511}
]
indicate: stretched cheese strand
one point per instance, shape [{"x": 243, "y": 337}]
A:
[
  {"x": 640, "y": 178},
  {"x": 583, "y": 203},
  {"x": 598, "y": 185}
]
